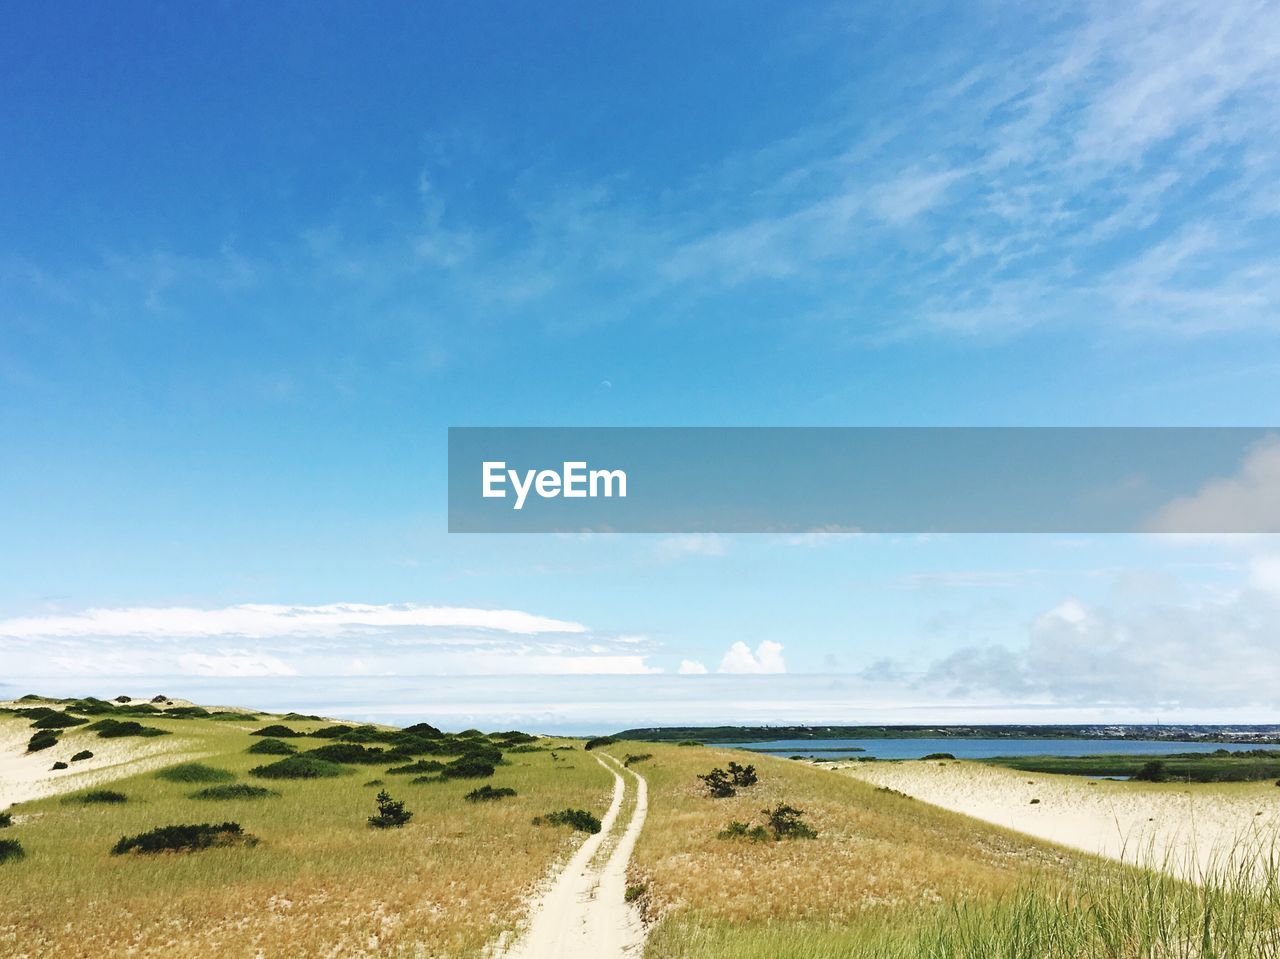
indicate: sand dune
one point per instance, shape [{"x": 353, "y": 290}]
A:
[{"x": 1182, "y": 827}]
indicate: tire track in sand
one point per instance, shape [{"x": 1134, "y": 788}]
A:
[{"x": 583, "y": 914}]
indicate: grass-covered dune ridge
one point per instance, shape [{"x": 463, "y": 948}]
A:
[{"x": 317, "y": 880}]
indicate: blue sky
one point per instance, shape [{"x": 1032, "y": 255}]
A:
[{"x": 255, "y": 261}]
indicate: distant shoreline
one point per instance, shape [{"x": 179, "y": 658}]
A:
[{"x": 1260, "y": 734}]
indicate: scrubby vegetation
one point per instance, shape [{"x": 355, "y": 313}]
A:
[
  {"x": 6, "y": 820},
  {"x": 487, "y": 792},
  {"x": 195, "y": 773},
  {"x": 182, "y": 838},
  {"x": 1221, "y": 765},
  {"x": 356, "y": 754},
  {"x": 391, "y": 813},
  {"x": 57, "y": 720},
  {"x": 723, "y": 785},
  {"x": 11, "y": 850},
  {"x": 44, "y": 739},
  {"x": 419, "y": 768},
  {"x": 599, "y": 741},
  {"x": 299, "y": 767},
  {"x": 938, "y": 756},
  {"x": 272, "y": 747},
  {"x": 277, "y": 731},
  {"x": 633, "y": 758},
  {"x": 82, "y": 754},
  {"x": 97, "y": 797},
  {"x": 467, "y": 767},
  {"x": 118, "y": 729},
  {"x": 578, "y": 819},
  {"x": 234, "y": 791}
]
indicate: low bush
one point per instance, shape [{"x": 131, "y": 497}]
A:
[
  {"x": 331, "y": 732},
  {"x": 786, "y": 822},
  {"x": 1152, "y": 772},
  {"x": 467, "y": 768},
  {"x": 299, "y": 767},
  {"x": 11, "y": 850},
  {"x": 742, "y": 830},
  {"x": 277, "y": 731},
  {"x": 487, "y": 792},
  {"x": 376, "y": 782},
  {"x": 58, "y": 721},
  {"x": 938, "y": 756},
  {"x": 42, "y": 740},
  {"x": 182, "y": 838},
  {"x": 600, "y": 741},
  {"x": 59, "y": 765},
  {"x": 527, "y": 748},
  {"x": 391, "y": 813},
  {"x": 719, "y": 784},
  {"x": 688, "y": 742},
  {"x": 743, "y": 776},
  {"x": 234, "y": 791},
  {"x": 6, "y": 820},
  {"x": 423, "y": 730},
  {"x": 272, "y": 747},
  {"x": 634, "y": 892},
  {"x": 578, "y": 819},
  {"x": 354, "y": 753},
  {"x": 96, "y": 797},
  {"x": 82, "y": 754},
  {"x": 195, "y": 773},
  {"x": 301, "y": 717},
  {"x": 421, "y": 767},
  {"x": 118, "y": 729},
  {"x": 632, "y": 759}
]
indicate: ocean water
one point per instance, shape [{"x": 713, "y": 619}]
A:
[{"x": 979, "y": 748}]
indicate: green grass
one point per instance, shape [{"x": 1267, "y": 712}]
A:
[
  {"x": 1218, "y": 766},
  {"x": 99, "y": 797},
  {"x": 319, "y": 883},
  {"x": 195, "y": 773}
]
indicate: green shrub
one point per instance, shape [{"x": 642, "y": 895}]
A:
[
  {"x": 11, "y": 850},
  {"x": 487, "y": 792},
  {"x": 938, "y": 756},
  {"x": 82, "y": 754},
  {"x": 331, "y": 732},
  {"x": 354, "y": 753},
  {"x": 58, "y": 721},
  {"x": 578, "y": 819},
  {"x": 635, "y": 892},
  {"x": 234, "y": 717},
  {"x": 195, "y": 773},
  {"x": 277, "y": 731},
  {"x": 375, "y": 782},
  {"x": 272, "y": 747},
  {"x": 299, "y": 767},
  {"x": 599, "y": 741},
  {"x": 182, "y": 838},
  {"x": 719, "y": 784},
  {"x": 743, "y": 776},
  {"x": 301, "y": 718},
  {"x": 44, "y": 739},
  {"x": 742, "y": 830},
  {"x": 467, "y": 768},
  {"x": 95, "y": 797},
  {"x": 420, "y": 767},
  {"x": 423, "y": 730},
  {"x": 631, "y": 760},
  {"x": 786, "y": 823},
  {"x": 59, "y": 765},
  {"x": 118, "y": 729},
  {"x": 1152, "y": 772},
  {"x": 234, "y": 791},
  {"x": 391, "y": 813},
  {"x": 688, "y": 742},
  {"x": 6, "y": 820}
]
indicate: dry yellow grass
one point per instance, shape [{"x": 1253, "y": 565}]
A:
[
  {"x": 880, "y": 858},
  {"x": 320, "y": 884}
]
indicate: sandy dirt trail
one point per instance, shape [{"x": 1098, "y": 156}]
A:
[
  {"x": 583, "y": 914},
  {"x": 1184, "y": 828}
]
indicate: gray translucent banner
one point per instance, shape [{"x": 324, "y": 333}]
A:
[{"x": 864, "y": 479}]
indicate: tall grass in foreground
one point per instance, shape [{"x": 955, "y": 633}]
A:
[{"x": 1231, "y": 912}]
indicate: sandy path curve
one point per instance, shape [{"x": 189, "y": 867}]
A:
[{"x": 583, "y": 914}]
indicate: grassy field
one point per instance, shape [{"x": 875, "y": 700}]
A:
[
  {"x": 319, "y": 882},
  {"x": 1218, "y": 766},
  {"x": 889, "y": 877}
]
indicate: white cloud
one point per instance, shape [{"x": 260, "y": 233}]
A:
[
  {"x": 691, "y": 667},
  {"x": 1248, "y": 502},
  {"x": 234, "y": 664},
  {"x": 767, "y": 658},
  {"x": 258, "y": 621},
  {"x": 691, "y": 544}
]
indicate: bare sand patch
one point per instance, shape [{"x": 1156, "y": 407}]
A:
[
  {"x": 1183, "y": 828},
  {"x": 25, "y": 776}
]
